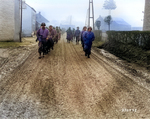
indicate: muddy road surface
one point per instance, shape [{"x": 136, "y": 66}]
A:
[{"x": 67, "y": 85}]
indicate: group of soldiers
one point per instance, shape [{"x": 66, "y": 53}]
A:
[
  {"x": 73, "y": 34},
  {"x": 47, "y": 37},
  {"x": 86, "y": 36}
]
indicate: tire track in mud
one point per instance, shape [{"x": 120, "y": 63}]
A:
[
  {"x": 16, "y": 85},
  {"x": 66, "y": 84},
  {"x": 133, "y": 93},
  {"x": 93, "y": 69}
]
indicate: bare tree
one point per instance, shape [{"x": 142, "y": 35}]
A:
[
  {"x": 108, "y": 20},
  {"x": 110, "y": 5}
]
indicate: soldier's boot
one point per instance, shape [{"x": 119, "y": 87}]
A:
[
  {"x": 40, "y": 55},
  {"x": 85, "y": 54}
]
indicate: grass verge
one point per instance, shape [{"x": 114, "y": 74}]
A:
[
  {"x": 98, "y": 42},
  {"x": 127, "y": 52},
  {"x": 25, "y": 42}
]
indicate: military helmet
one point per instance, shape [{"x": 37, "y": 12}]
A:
[{"x": 43, "y": 24}]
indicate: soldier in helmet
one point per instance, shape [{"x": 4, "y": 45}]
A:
[
  {"x": 73, "y": 31},
  {"x": 77, "y": 34},
  {"x": 57, "y": 34},
  {"x": 82, "y": 41},
  {"x": 69, "y": 35},
  {"x": 42, "y": 34},
  {"x": 50, "y": 38}
]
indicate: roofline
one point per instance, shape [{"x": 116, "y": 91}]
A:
[
  {"x": 42, "y": 22},
  {"x": 30, "y": 7},
  {"x": 43, "y": 17}
]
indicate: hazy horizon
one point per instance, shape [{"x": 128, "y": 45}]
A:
[{"x": 58, "y": 11}]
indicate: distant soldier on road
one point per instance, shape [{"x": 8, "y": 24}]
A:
[
  {"x": 51, "y": 37},
  {"x": 77, "y": 34},
  {"x": 73, "y": 31},
  {"x": 82, "y": 41},
  {"x": 88, "y": 37},
  {"x": 69, "y": 35},
  {"x": 59, "y": 33},
  {"x": 55, "y": 34},
  {"x": 42, "y": 34}
]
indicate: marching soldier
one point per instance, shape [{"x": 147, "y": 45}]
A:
[
  {"x": 51, "y": 37},
  {"x": 77, "y": 34},
  {"x": 42, "y": 34},
  {"x": 59, "y": 33},
  {"x": 69, "y": 35},
  {"x": 88, "y": 38},
  {"x": 82, "y": 41}
]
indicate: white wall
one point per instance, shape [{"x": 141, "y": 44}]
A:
[
  {"x": 28, "y": 25},
  {"x": 9, "y": 20},
  {"x": 26, "y": 21},
  {"x": 33, "y": 21},
  {"x": 6, "y": 20}
]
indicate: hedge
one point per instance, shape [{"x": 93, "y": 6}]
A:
[
  {"x": 136, "y": 38},
  {"x": 132, "y": 46}
]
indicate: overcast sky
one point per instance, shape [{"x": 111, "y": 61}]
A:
[{"x": 129, "y": 10}]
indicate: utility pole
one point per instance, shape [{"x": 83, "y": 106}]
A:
[
  {"x": 21, "y": 22},
  {"x": 146, "y": 24},
  {"x": 91, "y": 13}
]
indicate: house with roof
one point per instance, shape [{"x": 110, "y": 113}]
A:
[
  {"x": 40, "y": 19},
  {"x": 28, "y": 20},
  {"x": 10, "y": 20},
  {"x": 117, "y": 24}
]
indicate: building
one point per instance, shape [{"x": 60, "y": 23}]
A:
[
  {"x": 117, "y": 24},
  {"x": 10, "y": 20},
  {"x": 28, "y": 20},
  {"x": 146, "y": 25},
  {"x": 40, "y": 19}
]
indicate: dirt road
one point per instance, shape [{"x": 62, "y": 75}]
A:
[{"x": 66, "y": 84}]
